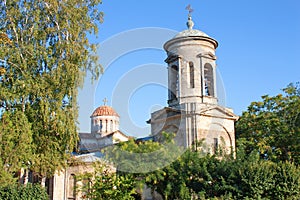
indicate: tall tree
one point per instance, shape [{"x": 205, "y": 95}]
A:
[
  {"x": 272, "y": 126},
  {"x": 45, "y": 54}
]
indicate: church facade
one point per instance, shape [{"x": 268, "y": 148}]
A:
[{"x": 193, "y": 112}]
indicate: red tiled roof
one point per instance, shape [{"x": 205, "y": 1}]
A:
[{"x": 104, "y": 111}]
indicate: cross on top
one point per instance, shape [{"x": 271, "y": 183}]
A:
[
  {"x": 189, "y": 8},
  {"x": 105, "y": 101}
]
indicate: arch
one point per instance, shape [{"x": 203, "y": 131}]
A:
[
  {"x": 227, "y": 134},
  {"x": 209, "y": 80},
  {"x": 174, "y": 82},
  {"x": 192, "y": 74},
  {"x": 171, "y": 129}
]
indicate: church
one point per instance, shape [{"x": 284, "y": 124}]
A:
[
  {"x": 104, "y": 132},
  {"x": 193, "y": 112}
]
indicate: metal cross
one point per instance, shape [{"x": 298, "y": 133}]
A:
[
  {"x": 189, "y": 8},
  {"x": 105, "y": 101}
]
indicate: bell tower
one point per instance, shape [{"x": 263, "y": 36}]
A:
[
  {"x": 193, "y": 113},
  {"x": 191, "y": 67}
]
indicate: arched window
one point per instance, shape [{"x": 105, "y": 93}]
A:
[
  {"x": 100, "y": 125},
  {"x": 174, "y": 90},
  {"x": 208, "y": 80},
  {"x": 215, "y": 145},
  {"x": 72, "y": 187},
  {"x": 111, "y": 125},
  {"x": 106, "y": 125},
  {"x": 192, "y": 76}
]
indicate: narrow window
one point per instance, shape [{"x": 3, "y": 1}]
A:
[
  {"x": 215, "y": 145},
  {"x": 72, "y": 187},
  {"x": 100, "y": 126},
  {"x": 106, "y": 125},
  {"x": 208, "y": 80},
  {"x": 192, "y": 77},
  {"x": 174, "y": 90},
  {"x": 111, "y": 125}
]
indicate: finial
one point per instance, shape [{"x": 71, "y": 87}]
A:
[
  {"x": 105, "y": 101},
  {"x": 190, "y": 23},
  {"x": 189, "y": 8}
]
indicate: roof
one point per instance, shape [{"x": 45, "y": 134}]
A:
[
  {"x": 191, "y": 33},
  {"x": 90, "y": 157},
  {"x": 144, "y": 139},
  {"x": 104, "y": 111}
]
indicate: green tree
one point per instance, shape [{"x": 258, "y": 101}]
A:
[
  {"x": 272, "y": 126},
  {"x": 104, "y": 183},
  {"x": 46, "y": 51},
  {"x": 21, "y": 192},
  {"x": 207, "y": 177},
  {"x": 144, "y": 156},
  {"x": 194, "y": 174},
  {"x": 15, "y": 145}
]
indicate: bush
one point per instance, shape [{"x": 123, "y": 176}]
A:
[{"x": 23, "y": 192}]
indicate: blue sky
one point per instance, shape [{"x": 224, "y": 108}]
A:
[{"x": 258, "y": 53}]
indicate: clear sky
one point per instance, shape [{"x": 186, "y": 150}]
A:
[{"x": 258, "y": 53}]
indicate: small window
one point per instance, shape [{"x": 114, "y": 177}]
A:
[
  {"x": 174, "y": 84},
  {"x": 111, "y": 125},
  {"x": 100, "y": 126},
  {"x": 215, "y": 145},
  {"x": 106, "y": 125},
  {"x": 208, "y": 80},
  {"x": 72, "y": 187},
  {"x": 192, "y": 76}
]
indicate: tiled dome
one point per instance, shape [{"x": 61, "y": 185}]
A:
[{"x": 104, "y": 111}]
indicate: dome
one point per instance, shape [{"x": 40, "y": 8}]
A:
[
  {"x": 104, "y": 111},
  {"x": 191, "y": 33}
]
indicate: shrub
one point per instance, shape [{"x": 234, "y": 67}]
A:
[{"x": 23, "y": 192}]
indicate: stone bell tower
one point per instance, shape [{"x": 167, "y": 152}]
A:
[
  {"x": 191, "y": 67},
  {"x": 193, "y": 113}
]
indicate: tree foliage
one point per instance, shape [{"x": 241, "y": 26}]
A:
[
  {"x": 272, "y": 126},
  {"x": 196, "y": 175},
  {"x": 15, "y": 144},
  {"x": 207, "y": 177},
  {"x": 28, "y": 192},
  {"x": 104, "y": 184},
  {"x": 45, "y": 53},
  {"x": 142, "y": 157},
  {"x": 265, "y": 166}
]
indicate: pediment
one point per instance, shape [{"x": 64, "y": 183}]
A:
[
  {"x": 208, "y": 55},
  {"x": 212, "y": 111},
  {"x": 219, "y": 112},
  {"x": 165, "y": 113}
]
